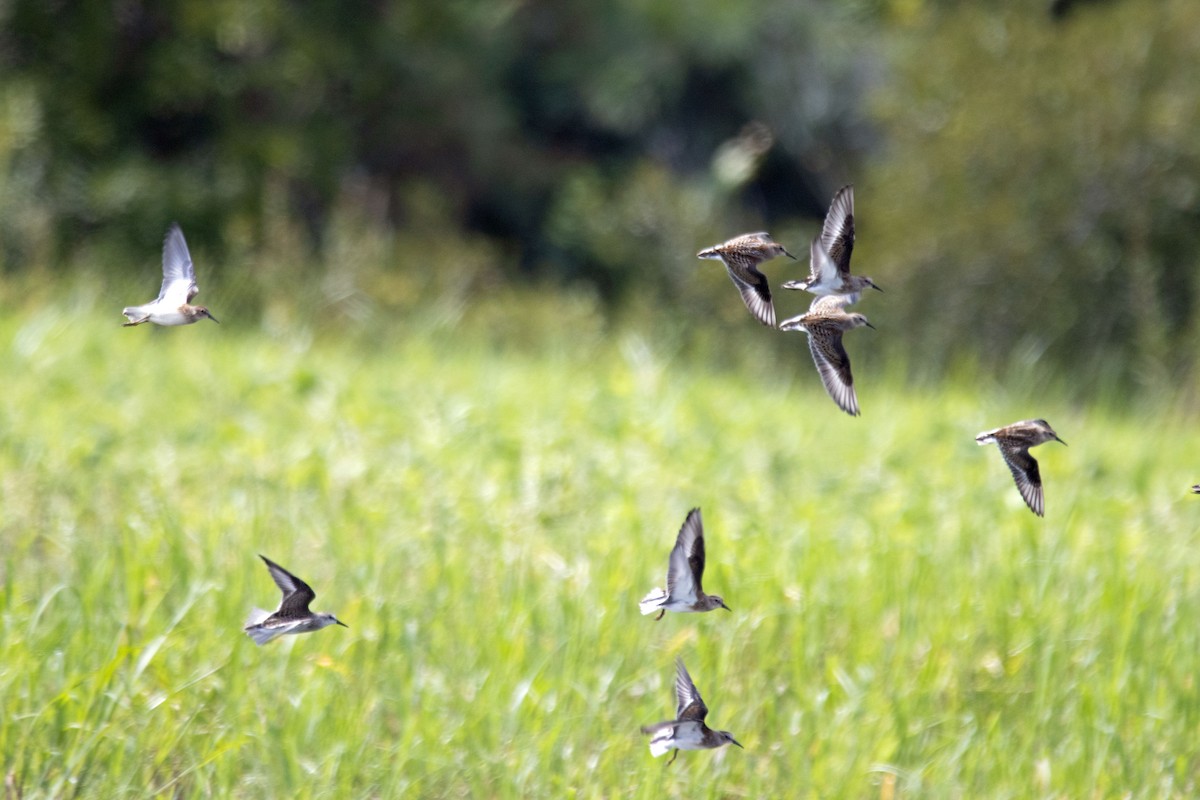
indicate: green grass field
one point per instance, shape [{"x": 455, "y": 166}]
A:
[{"x": 485, "y": 508}]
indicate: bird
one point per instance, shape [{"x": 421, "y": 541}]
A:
[
  {"x": 1014, "y": 442},
  {"x": 742, "y": 255},
  {"x": 830, "y": 263},
  {"x": 687, "y": 731},
  {"x": 825, "y": 323},
  {"x": 293, "y": 615},
  {"x": 1196, "y": 489},
  {"x": 684, "y": 571},
  {"x": 178, "y": 288}
]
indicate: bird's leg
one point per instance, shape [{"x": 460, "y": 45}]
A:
[
  {"x": 672, "y": 761},
  {"x": 136, "y": 322},
  {"x": 660, "y": 615}
]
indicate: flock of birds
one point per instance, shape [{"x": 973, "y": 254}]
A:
[
  {"x": 827, "y": 319},
  {"x": 825, "y": 322}
]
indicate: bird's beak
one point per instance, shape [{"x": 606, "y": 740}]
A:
[
  {"x": 789, "y": 255},
  {"x": 214, "y": 319},
  {"x": 735, "y": 741},
  {"x": 339, "y": 622},
  {"x": 873, "y": 286},
  {"x": 1064, "y": 444},
  {"x": 727, "y": 608},
  {"x": 872, "y": 327}
]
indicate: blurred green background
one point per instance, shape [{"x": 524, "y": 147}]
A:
[{"x": 1026, "y": 172}]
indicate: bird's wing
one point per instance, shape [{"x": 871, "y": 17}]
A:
[
  {"x": 834, "y": 365},
  {"x": 179, "y": 276},
  {"x": 689, "y": 704},
  {"x": 1025, "y": 472},
  {"x": 296, "y": 593},
  {"x": 756, "y": 292},
  {"x": 686, "y": 566},
  {"x": 821, "y": 265},
  {"x": 759, "y": 237},
  {"x": 827, "y": 303},
  {"x": 837, "y": 234}
]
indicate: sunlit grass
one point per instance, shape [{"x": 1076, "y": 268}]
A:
[{"x": 484, "y": 499}]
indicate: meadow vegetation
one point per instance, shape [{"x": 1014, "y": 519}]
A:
[{"x": 484, "y": 487}]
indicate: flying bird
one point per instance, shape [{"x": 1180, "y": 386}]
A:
[
  {"x": 830, "y": 263},
  {"x": 684, "y": 571},
  {"x": 1014, "y": 442},
  {"x": 742, "y": 255},
  {"x": 687, "y": 731},
  {"x": 293, "y": 615},
  {"x": 825, "y": 323},
  {"x": 178, "y": 288}
]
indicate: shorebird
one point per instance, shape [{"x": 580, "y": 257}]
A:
[
  {"x": 1014, "y": 442},
  {"x": 687, "y": 731},
  {"x": 293, "y": 615},
  {"x": 178, "y": 288},
  {"x": 742, "y": 255},
  {"x": 684, "y": 571},
  {"x": 825, "y": 323},
  {"x": 830, "y": 261},
  {"x": 1196, "y": 489}
]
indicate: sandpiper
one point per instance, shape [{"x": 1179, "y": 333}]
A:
[
  {"x": 178, "y": 288},
  {"x": 830, "y": 262},
  {"x": 1014, "y": 442},
  {"x": 825, "y": 323},
  {"x": 1196, "y": 489},
  {"x": 687, "y": 731},
  {"x": 684, "y": 571},
  {"x": 293, "y": 615},
  {"x": 742, "y": 255}
]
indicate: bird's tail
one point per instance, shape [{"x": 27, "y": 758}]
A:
[
  {"x": 259, "y": 634},
  {"x": 651, "y": 602},
  {"x": 661, "y": 738},
  {"x": 134, "y": 312},
  {"x": 256, "y": 617}
]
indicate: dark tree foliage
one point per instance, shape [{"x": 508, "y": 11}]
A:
[
  {"x": 148, "y": 111},
  {"x": 1025, "y": 172}
]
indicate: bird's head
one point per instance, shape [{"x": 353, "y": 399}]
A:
[
  {"x": 775, "y": 248},
  {"x": 858, "y": 320},
  {"x": 716, "y": 601}
]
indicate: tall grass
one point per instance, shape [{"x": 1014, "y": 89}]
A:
[{"x": 484, "y": 495}]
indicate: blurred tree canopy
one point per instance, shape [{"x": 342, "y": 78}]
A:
[{"x": 1026, "y": 172}]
